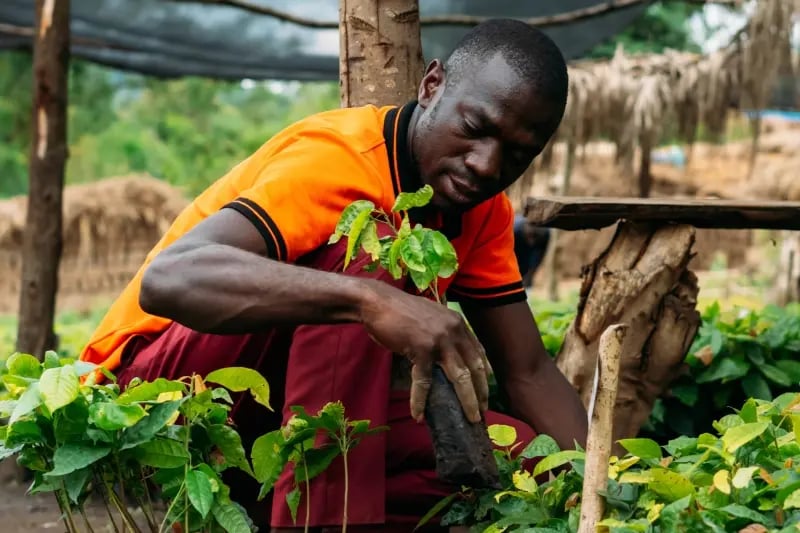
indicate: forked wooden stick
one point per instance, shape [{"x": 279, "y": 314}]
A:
[{"x": 598, "y": 441}]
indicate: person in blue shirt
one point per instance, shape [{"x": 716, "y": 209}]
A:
[{"x": 530, "y": 245}]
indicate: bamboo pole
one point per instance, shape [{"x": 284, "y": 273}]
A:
[{"x": 599, "y": 439}]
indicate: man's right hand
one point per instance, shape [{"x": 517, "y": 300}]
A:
[{"x": 428, "y": 332}]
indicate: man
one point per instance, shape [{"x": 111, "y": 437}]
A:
[
  {"x": 530, "y": 245},
  {"x": 245, "y": 277}
]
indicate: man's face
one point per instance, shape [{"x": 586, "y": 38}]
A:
[{"x": 476, "y": 137}]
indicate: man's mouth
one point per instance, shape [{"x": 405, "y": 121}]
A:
[{"x": 460, "y": 191}]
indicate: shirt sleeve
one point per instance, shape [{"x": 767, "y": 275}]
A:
[
  {"x": 302, "y": 188},
  {"x": 489, "y": 275}
]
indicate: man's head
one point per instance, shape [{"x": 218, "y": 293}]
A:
[{"x": 487, "y": 111}]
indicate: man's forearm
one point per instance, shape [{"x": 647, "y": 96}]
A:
[
  {"x": 225, "y": 290},
  {"x": 548, "y": 403}
]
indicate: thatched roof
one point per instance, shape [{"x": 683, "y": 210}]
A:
[
  {"x": 107, "y": 210},
  {"x": 630, "y": 99}
]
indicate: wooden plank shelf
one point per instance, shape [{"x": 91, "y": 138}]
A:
[{"x": 577, "y": 213}]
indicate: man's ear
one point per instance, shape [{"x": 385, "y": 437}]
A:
[{"x": 432, "y": 82}]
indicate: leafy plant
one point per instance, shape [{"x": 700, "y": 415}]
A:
[
  {"x": 425, "y": 255},
  {"x": 735, "y": 356},
  {"x": 295, "y": 443},
  {"x": 78, "y": 437},
  {"x": 743, "y": 478}
]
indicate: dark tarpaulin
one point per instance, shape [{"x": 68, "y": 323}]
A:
[{"x": 170, "y": 38}]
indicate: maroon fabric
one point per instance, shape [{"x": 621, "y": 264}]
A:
[{"x": 391, "y": 474}]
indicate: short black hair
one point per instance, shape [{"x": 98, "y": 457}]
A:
[{"x": 529, "y": 51}]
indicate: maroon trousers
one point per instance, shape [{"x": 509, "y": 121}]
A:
[{"x": 392, "y": 482}]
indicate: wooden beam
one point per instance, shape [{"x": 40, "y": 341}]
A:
[{"x": 576, "y": 213}]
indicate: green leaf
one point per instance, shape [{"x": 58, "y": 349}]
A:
[
  {"x": 541, "y": 446},
  {"x": 268, "y": 461},
  {"x": 755, "y": 386},
  {"x": 410, "y": 200},
  {"x": 743, "y": 476},
  {"x": 58, "y": 387},
  {"x": 161, "y": 453},
  {"x": 791, "y": 368},
  {"x": 75, "y": 483},
  {"x": 724, "y": 369},
  {"x": 748, "y": 411},
  {"x": 717, "y": 342},
  {"x": 239, "y": 379},
  {"x": 71, "y": 457},
  {"x": 369, "y": 240},
  {"x": 230, "y": 518},
  {"x": 317, "y": 460},
  {"x": 198, "y": 487},
  {"x": 111, "y": 416},
  {"x": 557, "y": 459},
  {"x": 502, "y": 435},
  {"x": 445, "y": 253},
  {"x": 149, "y": 390},
  {"x": 293, "y": 501},
  {"x": 70, "y": 422},
  {"x": 349, "y": 214},
  {"x": 687, "y": 393},
  {"x": 775, "y": 375},
  {"x": 24, "y": 365},
  {"x": 644, "y": 448},
  {"x": 436, "y": 509},
  {"x": 394, "y": 256},
  {"x": 422, "y": 280},
  {"x": 792, "y": 501},
  {"x": 355, "y": 235},
  {"x": 146, "y": 429},
  {"x": 27, "y": 403},
  {"x": 740, "y": 511},
  {"x": 230, "y": 444},
  {"x": 23, "y": 432},
  {"x": 411, "y": 253},
  {"x": 738, "y": 436},
  {"x": 51, "y": 359},
  {"x": 669, "y": 485}
]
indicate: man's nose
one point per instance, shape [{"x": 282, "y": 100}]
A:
[{"x": 485, "y": 159}]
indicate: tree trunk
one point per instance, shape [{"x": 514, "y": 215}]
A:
[
  {"x": 640, "y": 280},
  {"x": 42, "y": 241},
  {"x": 645, "y": 176},
  {"x": 380, "y": 58}
]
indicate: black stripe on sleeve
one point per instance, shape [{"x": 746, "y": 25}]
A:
[
  {"x": 272, "y": 226},
  {"x": 496, "y": 301},
  {"x": 247, "y": 212},
  {"x": 489, "y": 291}
]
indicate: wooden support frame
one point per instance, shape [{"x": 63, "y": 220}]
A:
[{"x": 576, "y": 213}]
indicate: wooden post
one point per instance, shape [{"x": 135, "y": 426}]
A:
[
  {"x": 380, "y": 52},
  {"x": 601, "y": 426},
  {"x": 42, "y": 241}
]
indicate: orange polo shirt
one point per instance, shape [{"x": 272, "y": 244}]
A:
[{"x": 293, "y": 190}]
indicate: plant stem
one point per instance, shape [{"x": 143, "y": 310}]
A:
[
  {"x": 86, "y": 519},
  {"x": 308, "y": 488},
  {"x": 105, "y": 504},
  {"x": 346, "y": 486},
  {"x": 66, "y": 512},
  {"x": 149, "y": 513},
  {"x": 123, "y": 511},
  {"x": 188, "y": 464},
  {"x": 171, "y": 505}
]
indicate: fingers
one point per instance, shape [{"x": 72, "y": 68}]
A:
[
  {"x": 460, "y": 376},
  {"x": 420, "y": 386},
  {"x": 474, "y": 356}
]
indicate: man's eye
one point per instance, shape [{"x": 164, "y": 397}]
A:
[{"x": 470, "y": 128}]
